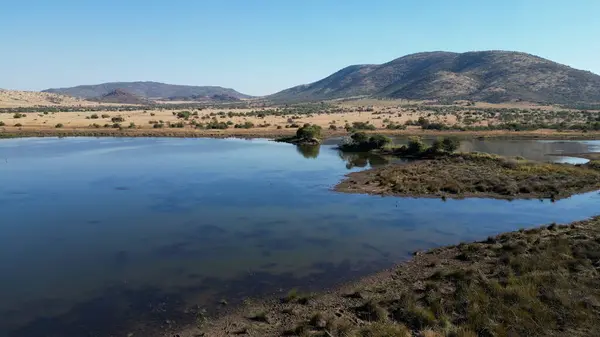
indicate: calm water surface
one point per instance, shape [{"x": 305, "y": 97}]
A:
[{"x": 101, "y": 236}]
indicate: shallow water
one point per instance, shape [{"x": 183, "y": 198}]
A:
[{"x": 100, "y": 234}]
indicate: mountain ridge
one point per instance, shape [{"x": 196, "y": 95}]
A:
[
  {"x": 145, "y": 90},
  {"x": 492, "y": 76}
]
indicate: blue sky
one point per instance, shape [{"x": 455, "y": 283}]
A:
[{"x": 262, "y": 46}]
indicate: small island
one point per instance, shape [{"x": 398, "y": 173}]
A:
[
  {"x": 308, "y": 134},
  {"x": 436, "y": 171}
]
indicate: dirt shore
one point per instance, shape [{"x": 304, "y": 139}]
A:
[
  {"x": 16, "y": 132},
  {"x": 542, "y": 281}
]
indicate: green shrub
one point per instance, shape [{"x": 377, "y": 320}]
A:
[
  {"x": 394, "y": 126},
  {"x": 416, "y": 145},
  {"x": 363, "y": 126},
  {"x": 183, "y": 114},
  {"x": 450, "y": 144},
  {"x": 158, "y": 125},
  {"x": 308, "y": 132},
  {"x": 131, "y": 125},
  {"x": 117, "y": 119},
  {"x": 214, "y": 124},
  {"x": 360, "y": 141},
  {"x": 18, "y": 115},
  {"x": 246, "y": 125},
  {"x": 94, "y": 116}
]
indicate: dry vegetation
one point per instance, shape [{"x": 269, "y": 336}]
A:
[
  {"x": 537, "y": 282},
  {"x": 335, "y": 117},
  {"x": 475, "y": 175}
]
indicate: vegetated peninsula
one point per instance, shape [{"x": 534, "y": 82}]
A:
[
  {"x": 536, "y": 282},
  {"x": 437, "y": 171},
  {"x": 490, "y": 76}
]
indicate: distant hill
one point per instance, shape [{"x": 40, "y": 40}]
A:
[
  {"x": 492, "y": 76},
  {"x": 17, "y": 98},
  {"x": 149, "y": 90},
  {"x": 122, "y": 97},
  {"x": 203, "y": 98}
]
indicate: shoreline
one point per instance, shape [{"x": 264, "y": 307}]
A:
[
  {"x": 14, "y": 132},
  {"x": 401, "y": 299}
]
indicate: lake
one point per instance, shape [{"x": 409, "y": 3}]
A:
[{"x": 102, "y": 236}]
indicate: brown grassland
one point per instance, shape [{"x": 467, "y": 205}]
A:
[{"x": 75, "y": 117}]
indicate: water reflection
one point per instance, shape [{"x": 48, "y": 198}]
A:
[
  {"x": 309, "y": 151},
  {"x": 362, "y": 160}
]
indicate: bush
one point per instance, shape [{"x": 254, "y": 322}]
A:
[
  {"x": 308, "y": 132},
  {"x": 363, "y": 126},
  {"x": 59, "y": 125},
  {"x": 183, "y": 114},
  {"x": 394, "y": 126},
  {"x": 94, "y": 116},
  {"x": 216, "y": 125},
  {"x": 450, "y": 144},
  {"x": 2, "y": 123},
  {"x": 117, "y": 119},
  {"x": 416, "y": 145},
  {"x": 332, "y": 127},
  {"x": 362, "y": 142},
  {"x": 379, "y": 141},
  {"x": 105, "y": 116},
  {"x": 158, "y": 125},
  {"x": 18, "y": 115},
  {"x": 18, "y": 125},
  {"x": 131, "y": 125},
  {"x": 246, "y": 125}
]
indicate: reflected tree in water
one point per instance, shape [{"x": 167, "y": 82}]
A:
[
  {"x": 362, "y": 159},
  {"x": 309, "y": 151}
]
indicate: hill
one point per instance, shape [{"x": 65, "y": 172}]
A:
[
  {"x": 491, "y": 76},
  {"x": 16, "y": 98},
  {"x": 121, "y": 97},
  {"x": 150, "y": 90}
]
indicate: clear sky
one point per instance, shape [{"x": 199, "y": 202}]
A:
[{"x": 262, "y": 46}]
